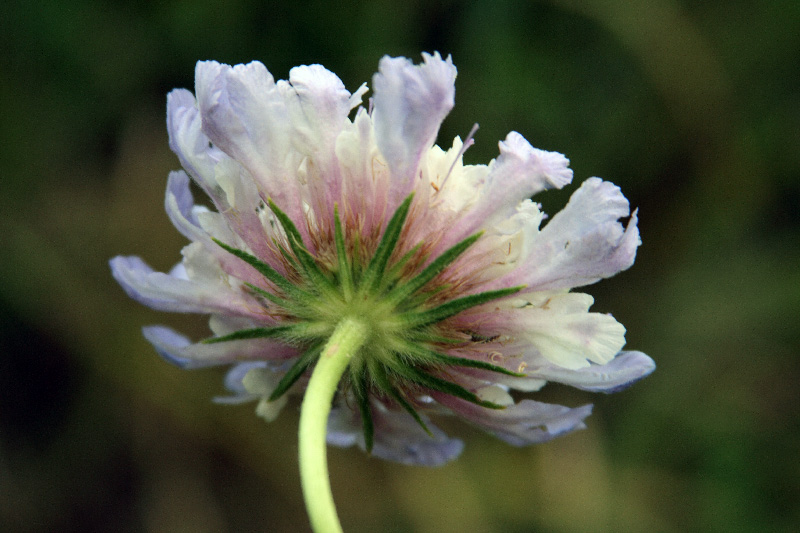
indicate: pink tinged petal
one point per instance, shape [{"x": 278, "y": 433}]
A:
[
  {"x": 171, "y": 293},
  {"x": 583, "y": 243},
  {"x": 518, "y": 173},
  {"x": 245, "y": 115},
  {"x": 245, "y": 200},
  {"x": 410, "y": 104},
  {"x": 620, "y": 373},
  {"x": 318, "y": 104},
  {"x": 365, "y": 175},
  {"x": 563, "y": 331},
  {"x": 398, "y": 437},
  {"x": 178, "y": 350},
  {"x": 527, "y": 422},
  {"x": 530, "y": 383}
]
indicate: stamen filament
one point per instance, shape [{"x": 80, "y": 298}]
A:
[{"x": 348, "y": 337}]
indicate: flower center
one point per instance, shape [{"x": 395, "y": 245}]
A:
[{"x": 405, "y": 352}]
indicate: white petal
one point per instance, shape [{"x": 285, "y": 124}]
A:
[
  {"x": 240, "y": 191},
  {"x": 261, "y": 382},
  {"x": 355, "y": 98},
  {"x": 410, "y": 104},
  {"x": 563, "y": 331},
  {"x": 527, "y": 422},
  {"x": 583, "y": 243},
  {"x": 233, "y": 382},
  {"x": 320, "y": 109},
  {"x": 457, "y": 186},
  {"x": 244, "y": 200},
  {"x": 494, "y": 394}
]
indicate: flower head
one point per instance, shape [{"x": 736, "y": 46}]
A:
[{"x": 327, "y": 211}]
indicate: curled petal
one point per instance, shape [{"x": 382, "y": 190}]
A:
[
  {"x": 410, "y": 104},
  {"x": 178, "y": 350},
  {"x": 398, "y": 437},
  {"x": 583, "y": 243},
  {"x": 527, "y": 422},
  {"x": 188, "y": 141},
  {"x": 166, "y": 292},
  {"x": 254, "y": 381},
  {"x": 179, "y": 204},
  {"x": 520, "y": 172},
  {"x": 458, "y": 186}
]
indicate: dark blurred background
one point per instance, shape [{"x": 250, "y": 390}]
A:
[{"x": 693, "y": 108}]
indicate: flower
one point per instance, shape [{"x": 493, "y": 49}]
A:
[{"x": 327, "y": 210}]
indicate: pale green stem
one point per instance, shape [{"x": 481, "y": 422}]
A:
[{"x": 346, "y": 340}]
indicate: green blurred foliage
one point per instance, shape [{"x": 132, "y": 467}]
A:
[{"x": 692, "y": 108}]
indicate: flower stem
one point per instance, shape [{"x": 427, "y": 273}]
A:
[{"x": 347, "y": 338}]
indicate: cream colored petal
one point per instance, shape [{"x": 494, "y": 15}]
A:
[{"x": 562, "y": 330}]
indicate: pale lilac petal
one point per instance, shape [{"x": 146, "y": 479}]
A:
[
  {"x": 527, "y": 422},
  {"x": 169, "y": 344},
  {"x": 245, "y": 115},
  {"x": 397, "y": 437},
  {"x": 518, "y": 173},
  {"x": 169, "y": 293},
  {"x": 241, "y": 111},
  {"x": 410, "y": 104},
  {"x": 178, "y": 350},
  {"x": 583, "y": 243},
  {"x": 231, "y": 190},
  {"x": 179, "y": 204},
  {"x": 623, "y": 371}
]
